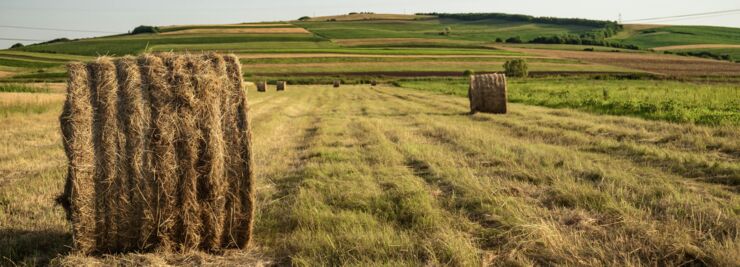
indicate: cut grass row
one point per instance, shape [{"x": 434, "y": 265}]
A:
[
  {"x": 710, "y": 104},
  {"x": 389, "y": 176}
]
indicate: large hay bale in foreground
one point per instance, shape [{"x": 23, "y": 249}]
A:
[
  {"x": 261, "y": 86},
  {"x": 487, "y": 93},
  {"x": 281, "y": 85},
  {"x": 159, "y": 151}
]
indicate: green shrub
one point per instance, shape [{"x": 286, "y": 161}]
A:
[
  {"x": 145, "y": 29},
  {"x": 468, "y": 73},
  {"x": 304, "y": 18},
  {"x": 16, "y": 45},
  {"x": 515, "y": 40},
  {"x": 516, "y": 68}
]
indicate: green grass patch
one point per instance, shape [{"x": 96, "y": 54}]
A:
[
  {"x": 18, "y": 88},
  {"x": 38, "y": 77},
  {"x": 129, "y": 45},
  {"x": 708, "y": 104},
  {"x": 682, "y": 35},
  {"x": 25, "y": 63},
  {"x": 481, "y": 30}
]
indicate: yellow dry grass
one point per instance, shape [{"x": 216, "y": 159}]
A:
[
  {"x": 4, "y": 74},
  {"x": 378, "y": 41},
  {"x": 386, "y": 176},
  {"x": 240, "y": 30},
  {"x": 369, "y": 17},
  {"x": 228, "y": 25},
  {"x": 321, "y": 55}
]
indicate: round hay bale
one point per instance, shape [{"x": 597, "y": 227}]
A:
[
  {"x": 487, "y": 93},
  {"x": 261, "y": 86},
  {"x": 337, "y": 83},
  {"x": 281, "y": 85},
  {"x": 159, "y": 153},
  {"x": 373, "y": 83}
]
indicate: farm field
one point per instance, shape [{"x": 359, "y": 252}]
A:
[
  {"x": 361, "y": 175},
  {"x": 400, "y": 38},
  {"x": 607, "y": 156},
  {"x": 709, "y": 104}
]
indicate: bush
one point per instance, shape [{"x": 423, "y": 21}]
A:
[
  {"x": 304, "y": 18},
  {"x": 499, "y": 40},
  {"x": 16, "y": 45},
  {"x": 145, "y": 29},
  {"x": 514, "y": 40},
  {"x": 468, "y": 73},
  {"x": 516, "y": 68}
]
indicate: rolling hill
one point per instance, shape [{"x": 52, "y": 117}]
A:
[{"x": 362, "y": 46}]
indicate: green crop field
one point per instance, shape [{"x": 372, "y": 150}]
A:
[
  {"x": 484, "y": 30},
  {"x": 124, "y": 45},
  {"x": 712, "y": 104},
  {"x": 681, "y": 35}
]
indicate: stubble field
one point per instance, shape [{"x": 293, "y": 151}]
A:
[{"x": 362, "y": 176}]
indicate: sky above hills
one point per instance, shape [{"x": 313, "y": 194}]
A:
[{"x": 106, "y": 17}]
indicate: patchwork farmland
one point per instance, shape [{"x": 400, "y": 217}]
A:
[{"x": 618, "y": 154}]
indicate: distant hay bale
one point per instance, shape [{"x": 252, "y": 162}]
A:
[
  {"x": 337, "y": 83},
  {"x": 281, "y": 85},
  {"x": 487, "y": 93},
  {"x": 373, "y": 83},
  {"x": 261, "y": 86},
  {"x": 160, "y": 156}
]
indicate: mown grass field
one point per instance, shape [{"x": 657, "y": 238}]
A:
[{"x": 393, "y": 176}]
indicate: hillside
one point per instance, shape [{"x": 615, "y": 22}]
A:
[{"x": 362, "y": 46}]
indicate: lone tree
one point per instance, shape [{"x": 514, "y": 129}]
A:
[
  {"x": 468, "y": 73},
  {"x": 304, "y": 18},
  {"x": 145, "y": 29},
  {"x": 516, "y": 68},
  {"x": 16, "y": 45}
]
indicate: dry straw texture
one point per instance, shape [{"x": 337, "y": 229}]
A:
[
  {"x": 159, "y": 154},
  {"x": 487, "y": 93},
  {"x": 261, "y": 86},
  {"x": 281, "y": 85}
]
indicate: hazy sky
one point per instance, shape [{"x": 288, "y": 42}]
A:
[{"x": 122, "y": 16}]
